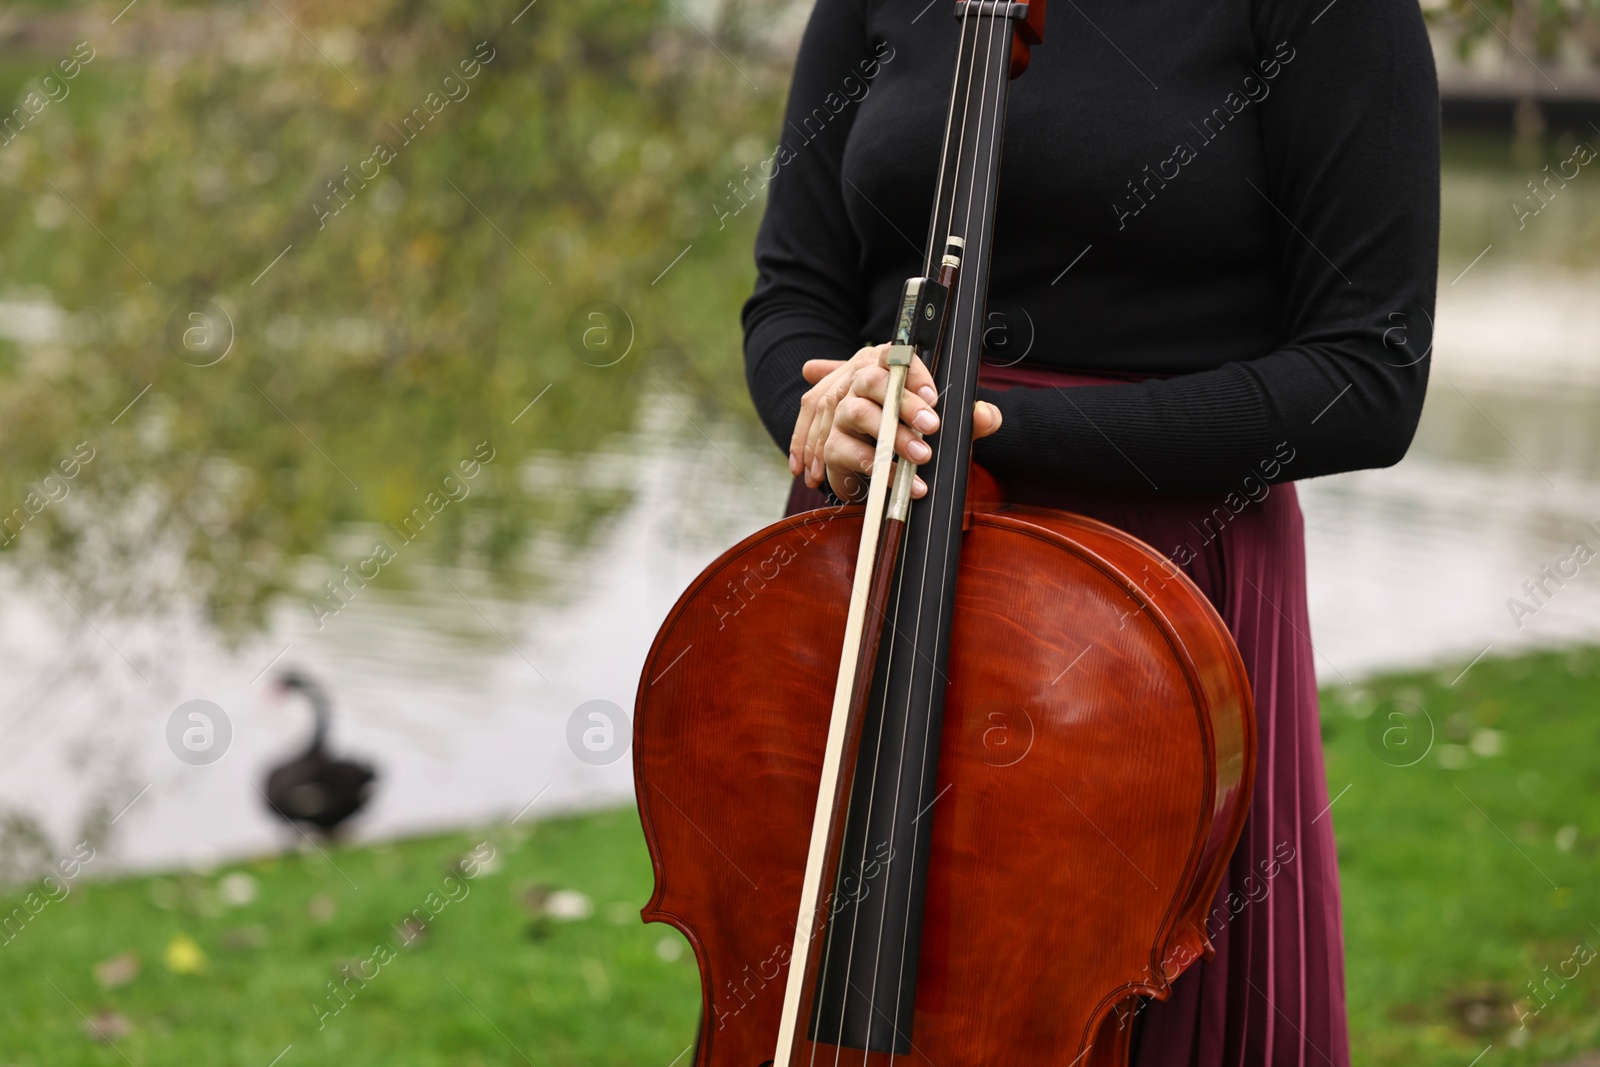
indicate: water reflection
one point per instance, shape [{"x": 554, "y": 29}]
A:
[{"x": 459, "y": 687}]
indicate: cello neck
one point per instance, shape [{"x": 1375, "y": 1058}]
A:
[
  {"x": 864, "y": 996},
  {"x": 964, "y": 209}
]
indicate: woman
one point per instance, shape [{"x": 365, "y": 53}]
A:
[{"x": 1216, "y": 241}]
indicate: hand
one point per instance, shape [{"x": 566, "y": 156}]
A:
[{"x": 835, "y": 435}]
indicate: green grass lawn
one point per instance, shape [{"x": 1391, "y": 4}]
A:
[
  {"x": 1469, "y": 872},
  {"x": 1450, "y": 913},
  {"x": 491, "y": 981}
]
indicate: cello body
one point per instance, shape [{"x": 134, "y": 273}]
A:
[{"x": 1095, "y": 759}]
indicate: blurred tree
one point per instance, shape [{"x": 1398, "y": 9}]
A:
[
  {"x": 1533, "y": 31},
  {"x": 397, "y": 209}
]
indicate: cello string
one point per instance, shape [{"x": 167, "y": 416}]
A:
[
  {"x": 962, "y": 401},
  {"x": 961, "y": 145},
  {"x": 935, "y": 248},
  {"x": 923, "y": 586},
  {"x": 933, "y": 251},
  {"x": 935, "y": 245},
  {"x": 923, "y": 590},
  {"x": 964, "y": 62}
]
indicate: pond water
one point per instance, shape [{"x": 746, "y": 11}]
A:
[{"x": 460, "y": 687}]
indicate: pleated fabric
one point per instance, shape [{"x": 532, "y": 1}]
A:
[
  {"x": 1274, "y": 992},
  {"x": 1273, "y": 995}
]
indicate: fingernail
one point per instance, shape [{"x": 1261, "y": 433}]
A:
[
  {"x": 794, "y": 463},
  {"x": 919, "y": 487},
  {"x": 919, "y": 452},
  {"x": 927, "y": 393},
  {"x": 816, "y": 469},
  {"x": 926, "y": 421}
]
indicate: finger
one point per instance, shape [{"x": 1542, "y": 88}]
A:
[
  {"x": 850, "y": 462},
  {"x": 986, "y": 419},
  {"x": 845, "y": 455},
  {"x": 914, "y": 410},
  {"x": 821, "y": 427},
  {"x": 860, "y": 416},
  {"x": 870, "y": 382},
  {"x": 808, "y": 438},
  {"x": 816, "y": 433},
  {"x": 919, "y": 380},
  {"x": 802, "y": 431},
  {"x": 802, "y": 427},
  {"x": 828, "y": 391},
  {"x": 911, "y": 446},
  {"x": 814, "y": 370}
]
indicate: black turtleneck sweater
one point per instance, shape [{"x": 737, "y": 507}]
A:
[{"x": 1242, "y": 195}]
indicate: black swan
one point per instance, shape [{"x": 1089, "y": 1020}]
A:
[{"x": 315, "y": 788}]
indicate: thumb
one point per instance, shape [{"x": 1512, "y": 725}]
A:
[
  {"x": 986, "y": 419},
  {"x": 815, "y": 370}
]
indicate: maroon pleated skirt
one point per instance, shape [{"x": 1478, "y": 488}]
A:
[{"x": 1273, "y": 995}]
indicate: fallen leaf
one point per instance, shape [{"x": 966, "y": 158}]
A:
[
  {"x": 534, "y": 898},
  {"x": 117, "y": 971},
  {"x": 107, "y": 1026},
  {"x": 244, "y": 937},
  {"x": 411, "y": 932},
  {"x": 184, "y": 956},
  {"x": 322, "y": 908},
  {"x": 568, "y": 905},
  {"x": 237, "y": 889}
]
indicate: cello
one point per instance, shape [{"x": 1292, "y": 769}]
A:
[{"x": 950, "y": 781}]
